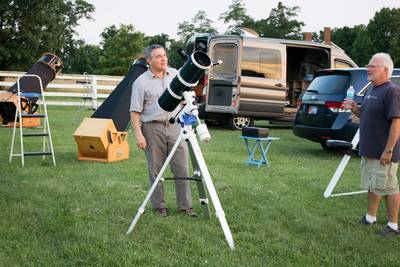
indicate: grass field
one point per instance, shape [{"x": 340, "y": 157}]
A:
[{"x": 77, "y": 213}]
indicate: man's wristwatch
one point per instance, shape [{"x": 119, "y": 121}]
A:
[{"x": 388, "y": 150}]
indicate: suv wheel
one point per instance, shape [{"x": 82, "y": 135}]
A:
[{"x": 239, "y": 122}]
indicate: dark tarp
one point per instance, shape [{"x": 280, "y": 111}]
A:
[{"x": 117, "y": 104}]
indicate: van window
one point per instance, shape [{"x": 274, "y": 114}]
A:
[
  {"x": 340, "y": 64},
  {"x": 264, "y": 63},
  {"x": 336, "y": 83},
  {"x": 228, "y": 54}
]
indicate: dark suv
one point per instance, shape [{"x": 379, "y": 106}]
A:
[{"x": 321, "y": 115}]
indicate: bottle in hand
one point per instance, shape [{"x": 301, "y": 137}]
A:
[{"x": 349, "y": 100}]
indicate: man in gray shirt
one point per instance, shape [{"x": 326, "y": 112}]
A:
[
  {"x": 379, "y": 142},
  {"x": 155, "y": 135}
]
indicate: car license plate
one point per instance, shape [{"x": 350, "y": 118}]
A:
[{"x": 312, "y": 110}]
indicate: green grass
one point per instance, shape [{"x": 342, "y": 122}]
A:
[{"x": 77, "y": 213}]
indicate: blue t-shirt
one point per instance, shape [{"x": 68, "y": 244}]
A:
[{"x": 379, "y": 106}]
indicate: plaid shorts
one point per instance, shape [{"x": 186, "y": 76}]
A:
[{"x": 379, "y": 179}]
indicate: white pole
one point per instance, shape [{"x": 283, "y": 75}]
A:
[{"x": 93, "y": 91}]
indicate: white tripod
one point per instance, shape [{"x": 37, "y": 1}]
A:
[
  {"x": 199, "y": 167},
  {"x": 338, "y": 173}
]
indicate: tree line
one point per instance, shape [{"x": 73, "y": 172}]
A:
[{"x": 30, "y": 28}]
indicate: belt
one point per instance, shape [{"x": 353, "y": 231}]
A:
[{"x": 157, "y": 122}]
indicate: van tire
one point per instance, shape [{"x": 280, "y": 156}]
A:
[{"x": 239, "y": 122}]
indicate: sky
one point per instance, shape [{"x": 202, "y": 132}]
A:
[{"x": 163, "y": 16}]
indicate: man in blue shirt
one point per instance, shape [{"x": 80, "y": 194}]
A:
[{"x": 379, "y": 147}]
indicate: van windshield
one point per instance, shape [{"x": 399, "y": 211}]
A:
[{"x": 336, "y": 83}]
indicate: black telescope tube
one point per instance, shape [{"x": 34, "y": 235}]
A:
[{"x": 187, "y": 77}]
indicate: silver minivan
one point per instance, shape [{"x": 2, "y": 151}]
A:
[{"x": 260, "y": 78}]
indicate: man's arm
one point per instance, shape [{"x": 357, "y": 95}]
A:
[
  {"x": 356, "y": 109},
  {"x": 140, "y": 140},
  {"x": 394, "y": 134}
]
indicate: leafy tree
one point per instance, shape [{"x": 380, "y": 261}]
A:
[
  {"x": 30, "y": 28},
  {"x": 236, "y": 16},
  {"x": 281, "y": 23},
  {"x": 361, "y": 49},
  {"x": 344, "y": 37},
  {"x": 199, "y": 23},
  {"x": 384, "y": 32},
  {"x": 394, "y": 51},
  {"x": 176, "y": 60},
  {"x": 120, "y": 47},
  {"x": 171, "y": 45},
  {"x": 82, "y": 58},
  {"x": 161, "y": 39}
]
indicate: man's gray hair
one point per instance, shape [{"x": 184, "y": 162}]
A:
[
  {"x": 150, "y": 48},
  {"x": 386, "y": 60}
]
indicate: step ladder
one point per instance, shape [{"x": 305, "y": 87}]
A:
[{"x": 34, "y": 101}]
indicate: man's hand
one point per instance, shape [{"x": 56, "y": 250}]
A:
[
  {"x": 394, "y": 134},
  {"x": 348, "y": 103},
  {"x": 386, "y": 157},
  {"x": 141, "y": 141}
]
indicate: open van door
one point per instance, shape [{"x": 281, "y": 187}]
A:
[{"x": 223, "y": 89}]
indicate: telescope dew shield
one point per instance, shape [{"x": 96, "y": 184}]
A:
[
  {"x": 116, "y": 106},
  {"x": 187, "y": 77}
]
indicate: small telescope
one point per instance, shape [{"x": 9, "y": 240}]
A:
[
  {"x": 187, "y": 77},
  {"x": 46, "y": 68}
]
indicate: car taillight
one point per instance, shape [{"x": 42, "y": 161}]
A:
[{"x": 336, "y": 106}]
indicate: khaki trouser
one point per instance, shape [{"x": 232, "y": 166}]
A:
[
  {"x": 381, "y": 180},
  {"x": 160, "y": 138}
]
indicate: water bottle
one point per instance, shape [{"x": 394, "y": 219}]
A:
[
  {"x": 349, "y": 97},
  {"x": 350, "y": 93}
]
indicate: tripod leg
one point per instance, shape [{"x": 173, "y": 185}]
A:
[
  {"x": 338, "y": 173},
  {"x": 200, "y": 185},
  {"x": 211, "y": 190},
  {"x": 154, "y": 185},
  {"x": 336, "y": 176}
]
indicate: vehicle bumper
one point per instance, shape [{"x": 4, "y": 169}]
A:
[{"x": 320, "y": 135}]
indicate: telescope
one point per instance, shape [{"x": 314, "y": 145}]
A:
[
  {"x": 46, "y": 68},
  {"x": 180, "y": 89},
  {"x": 187, "y": 77}
]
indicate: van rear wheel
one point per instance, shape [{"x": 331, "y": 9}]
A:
[{"x": 239, "y": 122}]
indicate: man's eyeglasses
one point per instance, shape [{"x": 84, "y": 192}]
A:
[{"x": 374, "y": 66}]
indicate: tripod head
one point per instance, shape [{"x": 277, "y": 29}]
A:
[{"x": 188, "y": 117}]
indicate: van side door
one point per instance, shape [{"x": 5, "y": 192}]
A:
[{"x": 223, "y": 89}]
